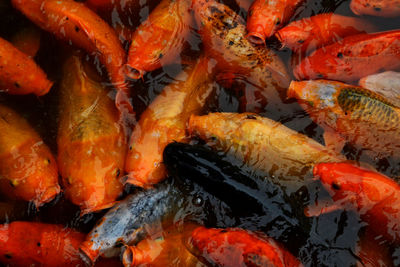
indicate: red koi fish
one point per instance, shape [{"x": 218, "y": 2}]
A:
[
  {"x": 374, "y": 196},
  {"x": 40, "y": 244},
  {"x": 14, "y": 67},
  {"x": 28, "y": 169},
  {"x": 160, "y": 38},
  {"x": 352, "y": 58},
  {"x": 164, "y": 121},
  {"x": 238, "y": 247},
  {"x": 91, "y": 143},
  {"x": 320, "y": 30},
  {"x": 266, "y": 17},
  {"x": 379, "y": 8},
  {"x": 351, "y": 113},
  {"x": 75, "y": 23}
]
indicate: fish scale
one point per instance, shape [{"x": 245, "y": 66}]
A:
[{"x": 366, "y": 106}]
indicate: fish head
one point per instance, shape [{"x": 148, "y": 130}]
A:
[{"x": 343, "y": 181}]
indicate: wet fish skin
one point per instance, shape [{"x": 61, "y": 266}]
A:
[
  {"x": 352, "y": 58},
  {"x": 126, "y": 222},
  {"x": 268, "y": 148},
  {"x": 379, "y": 8},
  {"x": 238, "y": 247},
  {"x": 374, "y": 196},
  {"x": 353, "y": 113}
]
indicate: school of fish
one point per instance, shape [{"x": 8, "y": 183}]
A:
[{"x": 315, "y": 137}]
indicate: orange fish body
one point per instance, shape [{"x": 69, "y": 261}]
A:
[
  {"x": 163, "y": 122},
  {"x": 75, "y": 23},
  {"x": 160, "y": 38},
  {"x": 91, "y": 143},
  {"x": 352, "y": 113},
  {"x": 238, "y": 247},
  {"x": 255, "y": 140},
  {"x": 352, "y": 58},
  {"x": 27, "y": 40},
  {"x": 14, "y": 67},
  {"x": 39, "y": 244},
  {"x": 380, "y": 8},
  {"x": 374, "y": 196},
  {"x": 28, "y": 170},
  {"x": 308, "y": 34},
  {"x": 266, "y": 17},
  {"x": 161, "y": 250},
  {"x": 223, "y": 35}
]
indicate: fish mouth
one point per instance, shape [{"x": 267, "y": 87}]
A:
[{"x": 256, "y": 38}]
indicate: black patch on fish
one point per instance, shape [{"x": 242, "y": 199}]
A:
[
  {"x": 300, "y": 41},
  {"x": 76, "y": 28},
  {"x": 8, "y": 256},
  {"x": 365, "y": 104},
  {"x": 214, "y": 9},
  {"x": 378, "y": 9},
  {"x": 340, "y": 55},
  {"x": 17, "y": 85},
  {"x": 251, "y": 117}
]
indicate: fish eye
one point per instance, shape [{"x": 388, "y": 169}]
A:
[{"x": 335, "y": 186}]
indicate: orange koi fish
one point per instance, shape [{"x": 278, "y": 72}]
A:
[
  {"x": 266, "y": 17},
  {"x": 238, "y": 247},
  {"x": 14, "y": 67},
  {"x": 28, "y": 170},
  {"x": 91, "y": 142},
  {"x": 223, "y": 35},
  {"x": 350, "y": 113},
  {"x": 379, "y": 8},
  {"x": 77, "y": 24},
  {"x": 159, "y": 39},
  {"x": 308, "y": 34},
  {"x": 256, "y": 141},
  {"x": 164, "y": 121},
  {"x": 27, "y": 40},
  {"x": 161, "y": 249},
  {"x": 39, "y": 244},
  {"x": 374, "y": 196},
  {"x": 352, "y": 58},
  {"x": 385, "y": 83}
]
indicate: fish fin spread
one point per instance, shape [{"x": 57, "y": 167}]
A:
[{"x": 334, "y": 141}]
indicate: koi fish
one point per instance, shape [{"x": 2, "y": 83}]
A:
[
  {"x": 308, "y": 34},
  {"x": 14, "y": 67},
  {"x": 267, "y": 147},
  {"x": 160, "y": 38},
  {"x": 385, "y": 83},
  {"x": 128, "y": 221},
  {"x": 238, "y": 247},
  {"x": 223, "y": 35},
  {"x": 350, "y": 113},
  {"x": 266, "y": 17},
  {"x": 162, "y": 249},
  {"x": 28, "y": 169},
  {"x": 372, "y": 253},
  {"x": 27, "y": 40},
  {"x": 374, "y": 196},
  {"x": 379, "y": 8},
  {"x": 91, "y": 142},
  {"x": 39, "y": 244},
  {"x": 75, "y": 23},
  {"x": 352, "y": 58},
  {"x": 164, "y": 121}
]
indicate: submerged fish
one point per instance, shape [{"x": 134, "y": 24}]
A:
[
  {"x": 28, "y": 169},
  {"x": 267, "y": 147},
  {"x": 351, "y": 113},
  {"x": 164, "y": 121},
  {"x": 129, "y": 221},
  {"x": 379, "y": 8},
  {"x": 238, "y": 247},
  {"x": 223, "y": 33},
  {"x": 91, "y": 142},
  {"x": 374, "y": 196}
]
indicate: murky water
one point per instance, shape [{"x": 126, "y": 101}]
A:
[{"x": 332, "y": 239}]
